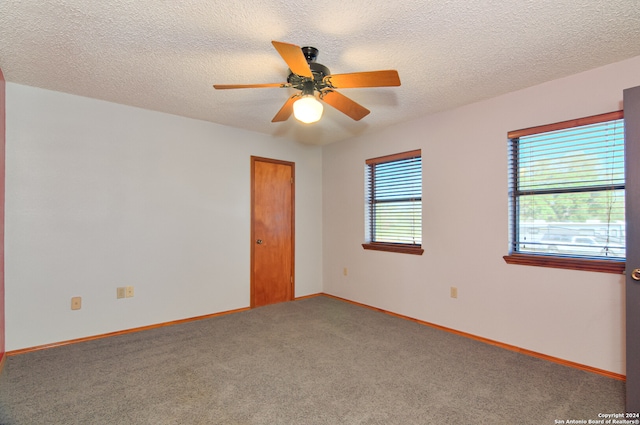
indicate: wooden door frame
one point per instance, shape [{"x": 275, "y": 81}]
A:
[
  {"x": 3, "y": 354},
  {"x": 255, "y": 159}
]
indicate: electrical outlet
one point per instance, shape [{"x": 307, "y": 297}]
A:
[
  {"x": 121, "y": 292},
  {"x": 76, "y": 303},
  {"x": 454, "y": 292},
  {"x": 129, "y": 291}
]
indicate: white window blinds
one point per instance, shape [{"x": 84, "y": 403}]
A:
[
  {"x": 567, "y": 189},
  {"x": 394, "y": 199}
]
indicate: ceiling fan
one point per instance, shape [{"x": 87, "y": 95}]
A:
[{"x": 310, "y": 78}]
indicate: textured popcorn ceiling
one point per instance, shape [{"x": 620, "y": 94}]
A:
[{"x": 164, "y": 55}]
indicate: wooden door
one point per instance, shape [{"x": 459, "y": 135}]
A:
[
  {"x": 632, "y": 210},
  {"x": 272, "y": 231}
]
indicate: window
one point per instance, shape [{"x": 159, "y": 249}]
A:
[
  {"x": 393, "y": 207},
  {"x": 566, "y": 193}
]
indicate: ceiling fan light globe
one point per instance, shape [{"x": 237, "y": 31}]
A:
[{"x": 307, "y": 109}]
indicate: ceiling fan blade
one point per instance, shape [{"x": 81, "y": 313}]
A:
[
  {"x": 287, "y": 109},
  {"x": 364, "y": 79},
  {"x": 345, "y": 105},
  {"x": 248, "y": 86},
  {"x": 294, "y": 58}
]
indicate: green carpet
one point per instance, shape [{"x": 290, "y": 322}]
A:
[{"x": 312, "y": 361}]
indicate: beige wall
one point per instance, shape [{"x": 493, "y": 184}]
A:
[{"x": 573, "y": 315}]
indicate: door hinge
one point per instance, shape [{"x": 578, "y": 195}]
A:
[
  {"x": 291, "y": 279},
  {"x": 291, "y": 180}
]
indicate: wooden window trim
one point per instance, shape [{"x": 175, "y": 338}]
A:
[
  {"x": 394, "y": 157},
  {"x": 400, "y": 248},
  {"x": 391, "y": 247},
  {"x": 559, "y": 262},
  {"x": 595, "y": 119},
  {"x": 569, "y": 263}
]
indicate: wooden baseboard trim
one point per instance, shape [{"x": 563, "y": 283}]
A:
[
  {"x": 509, "y": 347},
  {"x": 304, "y": 297},
  {"x": 2, "y": 361},
  {"x": 123, "y": 332}
]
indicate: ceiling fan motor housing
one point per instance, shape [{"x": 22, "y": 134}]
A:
[{"x": 319, "y": 71}]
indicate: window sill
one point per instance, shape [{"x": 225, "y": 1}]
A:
[
  {"x": 584, "y": 264},
  {"x": 402, "y": 249}
]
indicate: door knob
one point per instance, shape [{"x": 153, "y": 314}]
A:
[
  {"x": 635, "y": 274},
  {"x": 259, "y": 241}
]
